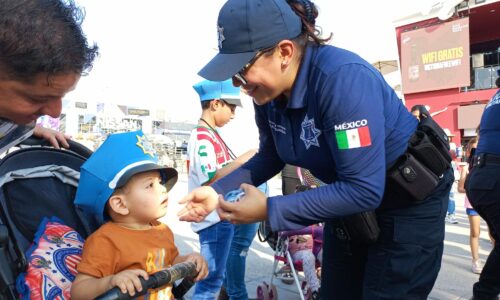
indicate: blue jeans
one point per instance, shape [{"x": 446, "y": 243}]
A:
[
  {"x": 244, "y": 234},
  {"x": 234, "y": 281},
  {"x": 451, "y": 203},
  {"x": 217, "y": 243},
  {"x": 214, "y": 247}
]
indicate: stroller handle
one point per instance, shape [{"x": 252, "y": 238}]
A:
[
  {"x": 158, "y": 279},
  {"x": 73, "y": 146}
]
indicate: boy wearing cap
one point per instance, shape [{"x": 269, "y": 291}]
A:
[
  {"x": 209, "y": 159},
  {"x": 122, "y": 182},
  {"x": 207, "y": 151}
]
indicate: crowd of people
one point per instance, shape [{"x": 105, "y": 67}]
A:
[{"x": 317, "y": 107}]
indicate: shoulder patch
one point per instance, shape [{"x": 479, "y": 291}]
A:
[{"x": 350, "y": 135}]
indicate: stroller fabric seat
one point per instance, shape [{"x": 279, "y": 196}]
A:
[{"x": 35, "y": 182}]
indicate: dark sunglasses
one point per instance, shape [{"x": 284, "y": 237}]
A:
[
  {"x": 232, "y": 107},
  {"x": 239, "y": 75}
]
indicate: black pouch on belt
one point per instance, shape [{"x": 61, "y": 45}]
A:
[
  {"x": 437, "y": 136},
  {"x": 412, "y": 176},
  {"x": 361, "y": 228},
  {"x": 422, "y": 148},
  {"x": 357, "y": 228}
]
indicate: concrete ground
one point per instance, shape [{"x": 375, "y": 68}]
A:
[{"x": 455, "y": 279}]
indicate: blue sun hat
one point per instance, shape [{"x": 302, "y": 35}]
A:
[
  {"x": 120, "y": 157},
  {"x": 246, "y": 26},
  {"x": 224, "y": 90}
]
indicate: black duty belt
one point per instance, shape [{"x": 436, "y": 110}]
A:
[{"x": 486, "y": 159}]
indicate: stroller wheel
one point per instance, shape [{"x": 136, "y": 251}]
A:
[
  {"x": 273, "y": 293},
  {"x": 263, "y": 292},
  {"x": 285, "y": 274}
]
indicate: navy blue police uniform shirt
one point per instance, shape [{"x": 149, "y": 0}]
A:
[
  {"x": 489, "y": 129},
  {"x": 344, "y": 123}
]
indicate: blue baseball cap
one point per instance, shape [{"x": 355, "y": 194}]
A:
[
  {"x": 246, "y": 26},
  {"x": 224, "y": 90},
  {"x": 120, "y": 157}
]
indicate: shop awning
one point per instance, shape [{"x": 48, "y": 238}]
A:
[{"x": 386, "y": 66}]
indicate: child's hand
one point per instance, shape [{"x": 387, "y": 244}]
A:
[
  {"x": 199, "y": 203},
  {"x": 128, "y": 281},
  {"x": 201, "y": 265}
]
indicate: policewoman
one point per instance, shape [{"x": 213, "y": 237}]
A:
[
  {"x": 327, "y": 110},
  {"x": 483, "y": 190}
]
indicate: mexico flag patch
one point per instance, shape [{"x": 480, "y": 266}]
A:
[{"x": 353, "y": 138}]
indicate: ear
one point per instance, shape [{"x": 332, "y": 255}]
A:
[
  {"x": 287, "y": 50},
  {"x": 215, "y": 104},
  {"x": 118, "y": 204}
]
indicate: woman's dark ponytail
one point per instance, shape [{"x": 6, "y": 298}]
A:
[{"x": 308, "y": 13}]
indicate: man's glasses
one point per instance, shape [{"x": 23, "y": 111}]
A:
[{"x": 239, "y": 75}]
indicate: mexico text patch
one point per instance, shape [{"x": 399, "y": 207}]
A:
[{"x": 353, "y": 135}]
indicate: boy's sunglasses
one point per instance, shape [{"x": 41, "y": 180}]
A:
[
  {"x": 239, "y": 75},
  {"x": 232, "y": 107}
]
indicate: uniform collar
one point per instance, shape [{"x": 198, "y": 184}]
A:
[{"x": 298, "y": 95}]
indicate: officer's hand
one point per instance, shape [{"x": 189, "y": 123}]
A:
[
  {"x": 251, "y": 208},
  {"x": 199, "y": 203}
]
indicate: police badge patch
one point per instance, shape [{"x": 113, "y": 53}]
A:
[
  {"x": 145, "y": 145},
  {"x": 220, "y": 36},
  {"x": 309, "y": 134}
]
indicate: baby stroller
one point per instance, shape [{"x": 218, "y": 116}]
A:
[
  {"x": 283, "y": 255},
  {"x": 279, "y": 242},
  {"x": 36, "y": 182}
]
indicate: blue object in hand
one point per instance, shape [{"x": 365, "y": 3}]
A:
[{"x": 234, "y": 195}]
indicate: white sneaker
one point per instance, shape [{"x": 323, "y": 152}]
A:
[
  {"x": 477, "y": 266},
  {"x": 450, "y": 218}
]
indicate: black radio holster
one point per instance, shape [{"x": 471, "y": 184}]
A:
[
  {"x": 437, "y": 137},
  {"x": 413, "y": 176},
  {"x": 417, "y": 172}
]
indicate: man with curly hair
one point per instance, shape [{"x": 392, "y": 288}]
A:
[{"x": 43, "y": 53}]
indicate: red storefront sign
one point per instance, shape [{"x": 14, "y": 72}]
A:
[{"x": 436, "y": 57}]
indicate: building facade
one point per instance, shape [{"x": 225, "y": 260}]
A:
[{"x": 449, "y": 55}]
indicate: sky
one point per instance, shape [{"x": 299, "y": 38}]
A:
[{"x": 151, "y": 50}]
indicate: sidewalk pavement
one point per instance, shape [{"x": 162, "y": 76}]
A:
[{"x": 455, "y": 279}]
